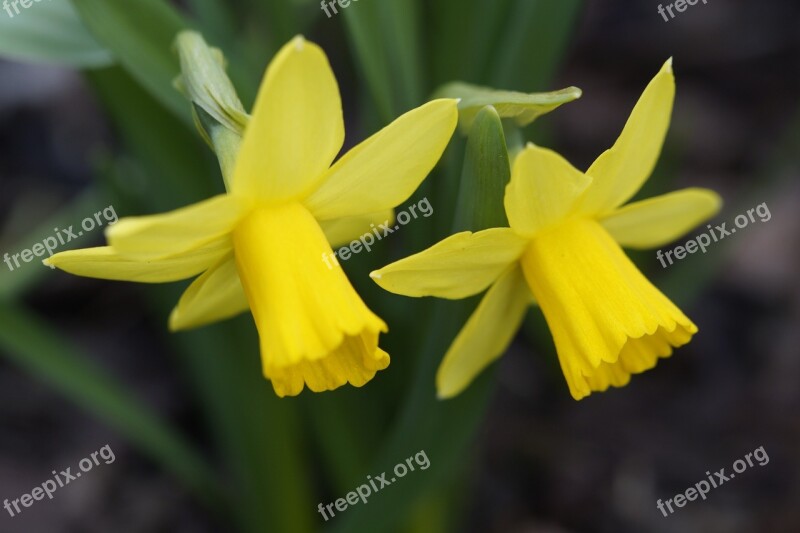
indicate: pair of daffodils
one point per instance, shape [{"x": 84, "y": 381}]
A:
[{"x": 258, "y": 247}]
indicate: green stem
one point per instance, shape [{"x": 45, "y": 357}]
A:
[{"x": 226, "y": 146}]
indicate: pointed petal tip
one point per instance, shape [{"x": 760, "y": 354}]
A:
[
  {"x": 668, "y": 66},
  {"x": 299, "y": 42},
  {"x": 715, "y": 200},
  {"x": 444, "y": 393},
  {"x": 375, "y": 274},
  {"x": 48, "y": 262},
  {"x": 451, "y": 101},
  {"x": 173, "y": 323}
]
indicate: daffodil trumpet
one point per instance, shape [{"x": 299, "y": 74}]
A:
[
  {"x": 258, "y": 247},
  {"x": 563, "y": 251}
]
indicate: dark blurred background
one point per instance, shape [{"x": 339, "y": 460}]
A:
[{"x": 542, "y": 462}]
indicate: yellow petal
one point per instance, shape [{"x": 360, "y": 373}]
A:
[
  {"x": 107, "y": 263},
  {"x": 486, "y": 335},
  {"x": 607, "y": 320},
  {"x": 216, "y": 295},
  {"x": 313, "y": 326},
  {"x": 386, "y": 169},
  {"x": 296, "y": 128},
  {"x": 179, "y": 231},
  {"x": 459, "y": 266},
  {"x": 620, "y": 171},
  {"x": 661, "y": 220},
  {"x": 543, "y": 190},
  {"x": 344, "y": 230}
]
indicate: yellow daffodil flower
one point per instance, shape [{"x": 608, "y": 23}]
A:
[
  {"x": 261, "y": 246},
  {"x": 563, "y": 251}
]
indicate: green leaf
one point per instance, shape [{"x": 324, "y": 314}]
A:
[
  {"x": 216, "y": 19},
  {"x": 177, "y": 168},
  {"x": 141, "y": 34},
  {"x": 522, "y": 108},
  {"x": 465, "y": 44},
  {"x": 384, "y": 38},
  {"x": 486, "y": 173},
  {"x": 49, "y": 32},
  {"x": 259, "y": 434},
  {"x": 533, "y": 40},
  {"x": 32, "y": 345}
]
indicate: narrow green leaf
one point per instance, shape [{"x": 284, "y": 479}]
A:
[
  {"x": 401, "y": 23},
  {"x": 535, "y": 35},
  {"x": 49, "y": 32},
  {"x": 278, "y": 21},
  {"x": 383, "y": 38},
  {"x": 177, "y": 167},
  {"x": 485, "y": 175},
  {"x": 141, "y": 35},
  {"x": 33, "y": 346},
  {"x": 346, "y": 443},
  {"x": 259, "y": 434},
  {"x": 522, "y": 108},
  {"x": 466, "y": 38},
  {"x": 215, "y": 18}
]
